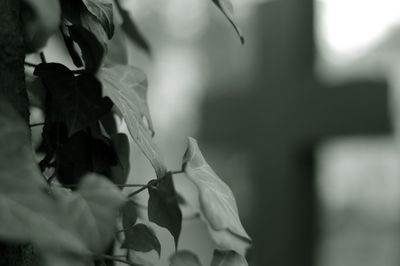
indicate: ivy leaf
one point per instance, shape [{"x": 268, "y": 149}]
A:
[
  {"x": 141, "y": 238},
  {"x": 69, "y": 43},
  {"x": 102, "y": 10},
  {"x": 120, "y": 172},
  {"x": 184, "y": 258},
  {"x": 129, "y": 215},
  {"x": 92, "y": 50},
  {"x": 78, "y": 98},
  {"x": 93, "y": 210},
  {"x": 83, "y": 153},
  {"x": 27, "y": 211},
  {"x": 227, "y": 9},
  {"x": 228, "y": 258},
  {"x": 217, "y": 202},
  {"x": 131, "y": 30},
  {"x": 163, "y": 207},
  {"x": 126, "y": 86},
  {"x": 55, "y": 221}
]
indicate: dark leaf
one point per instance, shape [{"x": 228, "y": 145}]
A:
[
  {"x": 69, "y": 43},
  {"x": 217, "y": 202},
  {"x": 83, "y": 153},
  {"x": 163, "y": 207},
  {"x": 102, "y": 10},
  {"x": 93, "y": 50},
  {"x": 228, "y": 258},
  {"x": 126, "y": 86},
  {"x": 227, "y": 8},
  {"x": 79, "y": 99},
  {"x": 141, "y": 238},
  {"x": 129, "y": 215},
  {"x": 184, "y": 258},
  {"x": 120, "y": 172},
  {"x": 56, "y": 221},
  {"x": 131, "y": 30}
]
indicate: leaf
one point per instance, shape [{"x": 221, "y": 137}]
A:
[
  {"x": 93, "y": 50},
  {"x": 93, "y": 211},
  {"x": 129, "y": 215},
  {"x": 217, "y": 202},
  {"x": 78, "y": 98},
  {"x": 102, "y": 10},
  {"x": 117, "y": 51},
  {"x": 120, "y": 172},
  {"x": 83, "y": 153},
  {"x": 39, "y": 22},
  {"x": 163, "y": 207},
  {"x": 69, "y": 44},
  {"x": 227, "y": 9},
  {"x": 228, "y": 258},
  {"x": 141, "y": 238},
  {"x": 57, "y": 222},
  {"x": 184, "y": 258},
  {"x": 131, "y": 30},
  {"x": 126, "y": 86},
  {"x": 26, "y": 209}
]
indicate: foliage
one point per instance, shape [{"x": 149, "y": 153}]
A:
[{"x": 70, "y": 202}]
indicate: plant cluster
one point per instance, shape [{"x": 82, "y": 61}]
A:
[{"x": 69, "y": 197}]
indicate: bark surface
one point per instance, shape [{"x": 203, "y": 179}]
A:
[{"x": 12, "y": 89}]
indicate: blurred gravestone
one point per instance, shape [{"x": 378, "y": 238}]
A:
[{"x": 280, "y": 122}]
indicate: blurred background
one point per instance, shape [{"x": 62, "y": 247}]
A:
[{"x": 301, "y": 122}]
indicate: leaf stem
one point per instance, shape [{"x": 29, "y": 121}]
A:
[
  {"x": 118, "y": 185},
  {"x": 139, "y": 190},
  {"x": 42, "y": 57},
  {"x": 30, "y": 64},
  {"x": 176, "y": 172},
  {"x": 110, "y": 257},
  {"x": 36, "y": 124}
]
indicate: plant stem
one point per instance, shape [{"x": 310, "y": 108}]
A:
[
  {"x": 109, "y": 257},
  {"x": 176, "y": 172},
  {"x": 139, "y": 190},
  {"x": 36, "y": 124},
  {"x": 30, "y": 64},
  {"x": 42, "y": 57}
]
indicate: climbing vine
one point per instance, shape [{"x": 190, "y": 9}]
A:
[{"x": 70, "y": 198}]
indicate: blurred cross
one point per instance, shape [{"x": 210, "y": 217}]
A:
[{"x": 286, "y": 113}]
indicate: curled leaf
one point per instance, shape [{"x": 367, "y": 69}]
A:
[
  {"x": 217, "y": 202},
  {"x": 131, "y": 30},
  {"x": 92, "y": 49},
  {"x": 102, "y": 10},
  {"x": 227, "y": 9},
  {"x": 126, "y": 86}
]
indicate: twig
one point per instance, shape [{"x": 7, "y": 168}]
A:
[
  {"x": 30, "y": 64},
  {"x": 176, "y": 172},
  {"x": 42, "y": 57},
  {"x": 36, "y": 124}
]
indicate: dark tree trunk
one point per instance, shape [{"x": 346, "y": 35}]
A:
[
  {"x": 12, "y": 89},
  {"x": 12, "y": 55}
]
